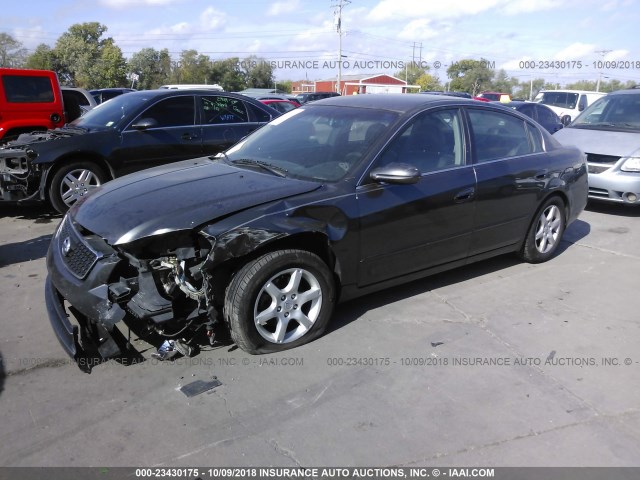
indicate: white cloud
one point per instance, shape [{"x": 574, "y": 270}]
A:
[
  {"x": 212, "y": 18},
  {"x": 616, "y": 55},
  {"x": 418, "y": 29},
  {"x": 575, "y": 51},
  {"x": 182, "y": 27},
  {"x": 527, "y": 6},
  {"x": 435, "y": 10},
  {"x": 395, "y": 9},
  {"x": 514, "y": 64},
  {"x": 30, "y": 36},
  {"x": 136, "y": 3},
  {"x": 280, "y": 8}
]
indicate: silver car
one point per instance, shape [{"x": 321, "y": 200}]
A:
[{"x": 608, "y": 131}]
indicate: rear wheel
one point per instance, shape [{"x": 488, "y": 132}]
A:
[
  {"x": 72, "y": 182},
  {"x": 545, "y": 233},
  {"x": 280, "y": 300}
]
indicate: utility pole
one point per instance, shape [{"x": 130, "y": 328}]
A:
[
  {"x": 602, "y": 54},
  {"x": 337, "y": 13}
]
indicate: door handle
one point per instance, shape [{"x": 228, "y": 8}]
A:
[
  {"x": 541, "y": 175},
  {"x": 465, "y": 195},
  {"x": 189, "y": 136}
]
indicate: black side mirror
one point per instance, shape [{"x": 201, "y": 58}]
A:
[
  {"x": 144, "y": 124},
  {"x": 396, "y": 173},
  {"x": 566, "y": 120}
]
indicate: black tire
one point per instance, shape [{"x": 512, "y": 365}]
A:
[
  {"x": 545, "y": 232},
  {"x": 303, "y": 307},
  {"x": 88, "y": 175}
]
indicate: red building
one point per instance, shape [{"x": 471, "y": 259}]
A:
[{"x": 364, "y": 83}]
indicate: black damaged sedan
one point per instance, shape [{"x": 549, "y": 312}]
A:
[{"x": 333, "y": 200}]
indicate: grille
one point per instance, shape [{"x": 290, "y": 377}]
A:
[
  {"x": 598, "y": 192},
  {"x": 598, "y": 168},
  {"x": 79, "y": 258},
  {"x": 596, "y": 158}
]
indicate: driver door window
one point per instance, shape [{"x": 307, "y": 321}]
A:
[
  {"x": 431, "y": 142},
  {"x": 172, "y": 112}
]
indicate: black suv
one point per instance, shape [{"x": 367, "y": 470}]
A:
[
  {"x": 313, "y": 96},
  {"x": 128, "y": 133}
]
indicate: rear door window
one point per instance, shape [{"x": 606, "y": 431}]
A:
[
  {"x": 221, "y": 109},
  {"x": 27, "y": 89},
  {"x": 498, "y": 135}
]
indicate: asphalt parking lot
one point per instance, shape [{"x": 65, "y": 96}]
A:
[{"x": 497, "y": 364}]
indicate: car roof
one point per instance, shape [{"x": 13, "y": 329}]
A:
[
  {"x": 564, "y": 90},
  {"x": 172, "y": 92},
  {"x": 116, "y": 89},
  {"x": 398, "y": 102},
  {"x": 627, "y": 91}
]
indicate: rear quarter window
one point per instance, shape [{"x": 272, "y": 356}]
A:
[{"x": 27, "y": 89}]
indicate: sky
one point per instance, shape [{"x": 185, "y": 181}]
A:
[{"x": 559, "y": 40}]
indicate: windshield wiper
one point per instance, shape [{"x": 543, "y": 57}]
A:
[
  {"x": 74, "y": 128},
  {"x": 279, "y": 171}
]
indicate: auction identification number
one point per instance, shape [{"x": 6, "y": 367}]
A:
[
  {"x": 386, "y": 361},
  {"x": 578, "y": 64},
  {"x": 195, "y": 472}
]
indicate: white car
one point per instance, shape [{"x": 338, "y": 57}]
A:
[
  {"x": 609, "y": 133},
  {"x": 567, "y": 103}
]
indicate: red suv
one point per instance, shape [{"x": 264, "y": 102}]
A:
[{"x": 30, "y": 100}]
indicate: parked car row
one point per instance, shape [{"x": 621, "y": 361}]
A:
[{"x": 128, "y": 133}]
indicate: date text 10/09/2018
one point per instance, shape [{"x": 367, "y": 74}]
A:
[{"x": 579, "y": 64}]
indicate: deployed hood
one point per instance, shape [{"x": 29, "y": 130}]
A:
[
  {"x": 602, "y": 142},
  {"x": 178, "y": 196}
]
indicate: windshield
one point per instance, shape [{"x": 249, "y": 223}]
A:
[
  {"x": 322, "y": 143},
  {"x": 558, "y": 99},
  {"x": 110, "y": 113},
  {"x": 612, "y": 112}
]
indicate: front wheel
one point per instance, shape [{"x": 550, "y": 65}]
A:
[
  {"x": 280, "y": 300},
  {"x": 545, "y": 233},
  {"x": 72, "y": 182}
]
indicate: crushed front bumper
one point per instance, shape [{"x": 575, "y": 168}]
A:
[
  {"x": 79, "y": 272},
  {"x": 66, "y": 332}
]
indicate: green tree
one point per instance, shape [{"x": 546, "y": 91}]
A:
[
  {"x": 285, "y": 85},
  {"x": 257, "y": 72},
  {"x": 528, "y": 89},
  {"x": 110, "y": 68},
  {"x": 428, "y": 82},
  {"x": 12, "y": 54},
  {"x": 583, "y": 85},
  {"x": 153, "y": 68},
  {"x": 411, "y": 73},
  {"x": 42, "y": 58},
  {"x": 503, "y": 83},
  {"x": 613, "y": 85},
  {"x": 470, "y": 76},
  {"x": 192, "y": 68},
  {"x": 228, "y": 74},
  {"x": 82, "y": 53}
]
